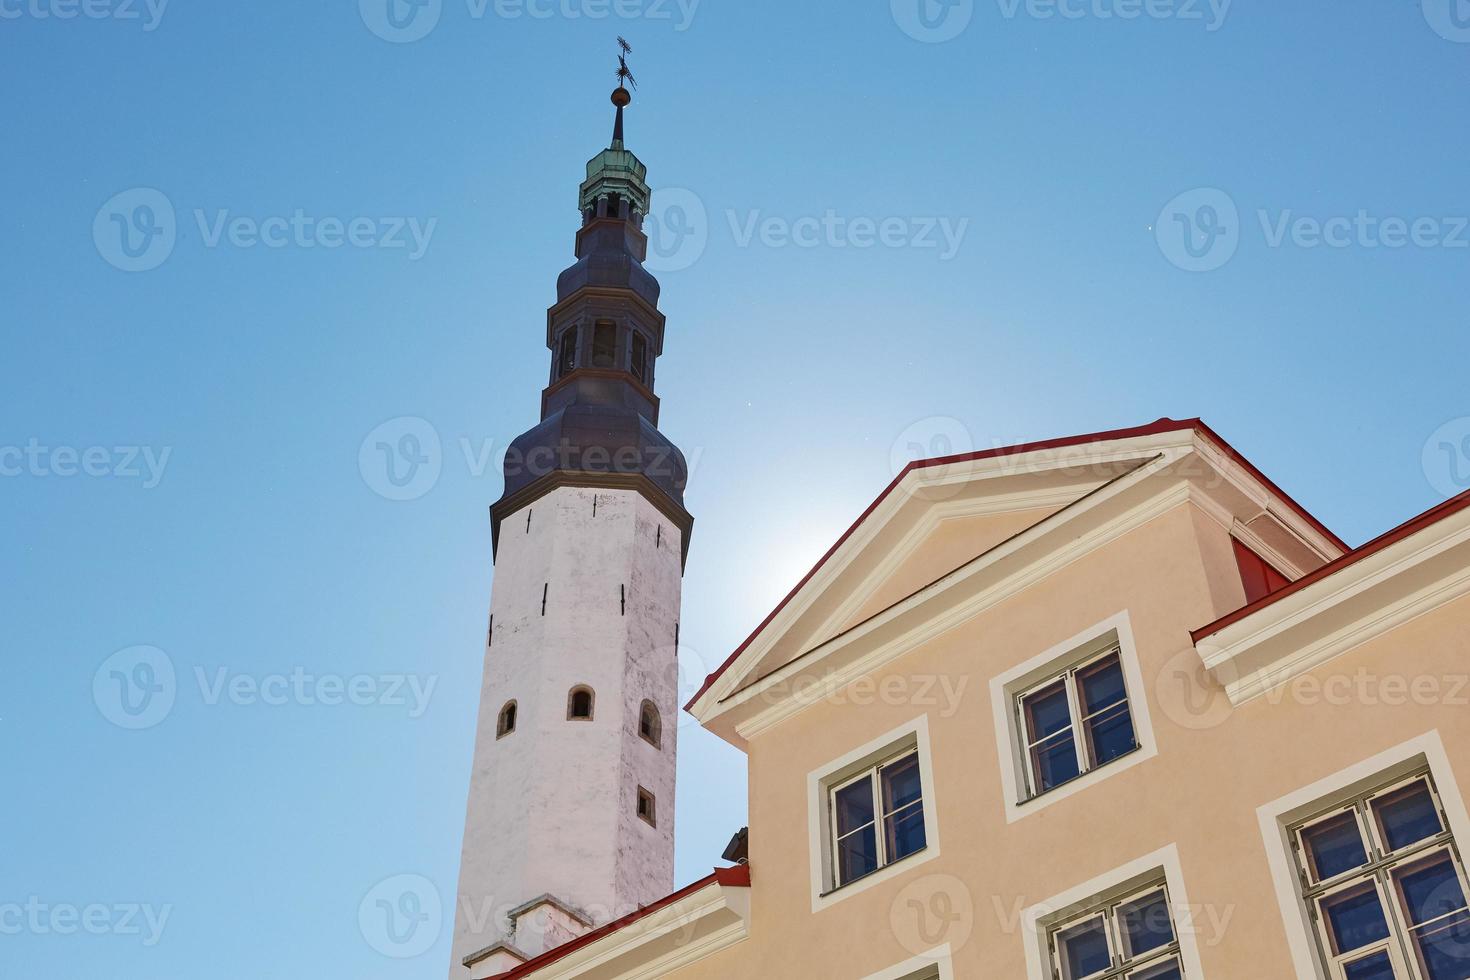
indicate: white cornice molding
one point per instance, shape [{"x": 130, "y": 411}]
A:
[{"x": 1298, "y": 633}]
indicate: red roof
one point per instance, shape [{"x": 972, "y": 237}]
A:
[
  {"x": 1155, "y": 428},
  {"x": 1411, "y": 527},
  {"x": 737, "y": 877}
]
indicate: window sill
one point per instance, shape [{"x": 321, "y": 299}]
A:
[
  {"x": 1021, "y": 809},
  {"x": 907, "y": 858}
]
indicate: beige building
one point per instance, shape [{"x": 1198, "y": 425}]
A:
[{"x": 1106, "y": 707}]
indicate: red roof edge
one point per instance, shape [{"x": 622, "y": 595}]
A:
[
  {"x": 736, "y": 877},
  {"x": 1154, "y": 428},
  {"x": 1409, "y": 528}
]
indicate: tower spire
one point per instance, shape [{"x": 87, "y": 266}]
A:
[{"x": 621, "y": 97}]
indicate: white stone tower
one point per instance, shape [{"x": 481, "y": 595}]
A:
[{"x": 571, "y": 809}]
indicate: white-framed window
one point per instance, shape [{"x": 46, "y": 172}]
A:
[
  {"x": 877, "y": 817},
  {"x": 871, "y": 814},
  {"x": 1129, "y": 936},
  {"x": 1075, "y": 721},
  {"x": 1071, "y": 716},
  {"x": 1384, "y": 884}
]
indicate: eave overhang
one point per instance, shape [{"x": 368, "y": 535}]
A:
[
  {"x": 698, "y": 921},
  {"x": 1399, "y": 576}
]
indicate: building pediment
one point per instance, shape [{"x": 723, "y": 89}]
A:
[{"x": 1022, "y": 513}]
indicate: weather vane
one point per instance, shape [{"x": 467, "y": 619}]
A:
[{"x": 625, "y": 74}]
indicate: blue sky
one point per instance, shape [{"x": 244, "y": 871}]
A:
[{"x": 1252, "y": 212}]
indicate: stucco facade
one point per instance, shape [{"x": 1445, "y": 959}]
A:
[{"x": 927, "y": 622}]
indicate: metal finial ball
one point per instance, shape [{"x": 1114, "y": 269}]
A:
[{"x": 621, "y": 97}]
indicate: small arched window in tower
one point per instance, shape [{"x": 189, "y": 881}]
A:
[
  {"x": 604, "y": 344},
  {"x": 507, "y": 722},
  {"x": 650, "y": 727},
  {"x": 580, "y": 704},
  {"x": 566, "y": 353},
  {"x": 640, "y": 357}
]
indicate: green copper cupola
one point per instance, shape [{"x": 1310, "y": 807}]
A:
[{"x": 615, "y": 175}]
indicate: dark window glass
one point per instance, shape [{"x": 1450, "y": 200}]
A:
[
  {"x": 640, "y": 357},
  {"x": 857, "y": 854},
  {"x": 1407, "y": 816},
  {"x": 1085, "y": 950},
  {"x": 1102, "y": 685},
  {"x": 854, "y": 807},
  {"x": 1335, "y": 846},
  {"x": 604, "y": 344},
  {"x": 1430, "y": 890},
  {"x": 1147, "y": 924},
  {"x": 1047, "y": 712},
  {"x": 1164, "y": 971},
  {"x": 1355, "y": 919},
  {"x": 1055, "y": 762},
  {"x": 1444, "y": 949},
  {"x": 1375, "y": 967},
  {"x": 566, "y": 356},
  {"x": 903, "y": 808}
]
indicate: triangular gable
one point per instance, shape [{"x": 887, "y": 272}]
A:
[{"x": 940, "y": 514}]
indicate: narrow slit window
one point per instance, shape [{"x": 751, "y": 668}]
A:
[
  {"x": 580, "y": 704},
  {"x": 650, "y": 725},
  {"x": 566, "y": 354},
  {"x": 640, "y": 357},
  {"x": 647, "y": 807},
  {"x": 507, "y": 721}
]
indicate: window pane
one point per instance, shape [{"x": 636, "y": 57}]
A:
[
  {"x": 904, "y": 832},
  {"x": 1084, "y": 950},
  {"x": 604, "y": 344},
  {"x": 854, "y": 806},
  {"x": 1335, "y": 846},
  {"x": 857, "y": 855},
  {"x": 1430, "y": 890},
  {"x": 1102, "y": 685},
  {"x": 901, "y": 784},
  {"x": 1163, "y": 971},
  {"x": 1407, "y": 816},
  {"x": 1355, "y": 919},
  {"x": 1054, "y": 762},
  {"x": 1445, "y": 950},
  {"x": 1110, "y": 734},
  {"x": 1375, "y": 967},
  {"x": 1047, "y": 712},
  {"x": 1146, "y": 924}
]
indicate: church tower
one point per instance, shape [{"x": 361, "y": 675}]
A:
[{"x": 570, "y": 821}]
